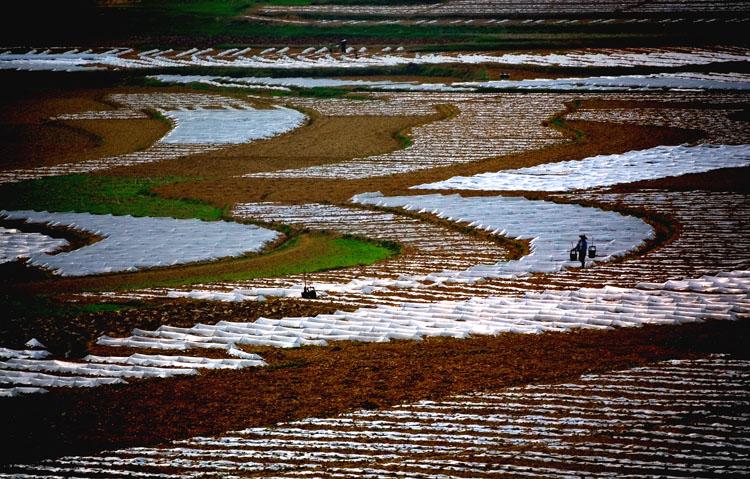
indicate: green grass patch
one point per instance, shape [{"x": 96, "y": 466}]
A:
[
  {"x": 156, "y": 115},
  {"x": 315, "y": 253},
  {"x": 120, "y": 196},
  {"x": 103, "y": 195},
  {"x": 560, "y": 124},
  {"x": 321, "y": 92},
  {"x": 405, "y": 140},
  {"x": 303, "y": 253}
]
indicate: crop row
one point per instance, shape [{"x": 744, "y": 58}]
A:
[
  {"x": 680, "y": 418},
  {"x": 201, "y": 123},
  {"x": 514, "y": 7},
  {"x": 485, "y": 126},
  {"x": 703, "y": 218},
  {"x": 719, "y": 125},
  {"x": 604, "y": 170},
  {"x": 323, "y": 57}
]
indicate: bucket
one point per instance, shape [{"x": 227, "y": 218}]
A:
[
  {"x": 592, "y": 251},
  {"x": 573, "y": 254}
]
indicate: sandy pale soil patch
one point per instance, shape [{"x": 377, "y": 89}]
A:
[
  {"x": 323, "y": 140},
  {"x": 597, "y": 139},
  {"x": 324, "y": 381},
  {"x": 315, "y": 381}
]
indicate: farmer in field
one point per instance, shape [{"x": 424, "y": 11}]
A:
[{"x": 582, "y": 248}]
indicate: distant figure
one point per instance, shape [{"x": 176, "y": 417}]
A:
[
  {"x": 343, "y": 46},
  {"x": 582, "y": 247}
]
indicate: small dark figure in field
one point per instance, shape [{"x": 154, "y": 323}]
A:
[
  {"x": 582, "y": 248},
  {"x": 343, "y": 46}
]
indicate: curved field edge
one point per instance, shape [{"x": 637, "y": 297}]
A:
[
  {"x": 299, "y": 253},
  {"x": 349, "y": 376},
  {"x": 303, "y": 253}
]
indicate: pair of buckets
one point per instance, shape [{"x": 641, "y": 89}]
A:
[{"x": 574, "y": 253}]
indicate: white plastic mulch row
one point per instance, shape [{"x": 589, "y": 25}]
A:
[
  {"x": 673, "y": 419},
  {"x": 658, "y": 81},
  {"x": 28, "y": 372},
  {"x": 15, "y": 244},
  {"x": 549, "y": 226},
  {"x": 726, "y": 296},
  {"x": 661, "y": 81},
  {"x": 485, "y": 126},
  {"x": 468, "y": 18},
  {"x": 6, "y": 353},
  {"x": 230, "y": 126},
  {"x": 605, "y": 170},
  {"x": 203, "y": 123},
  {"x": 71, "y": 60},
  {"x": 104, "y": 115},
  {"x": 284, "y": 83},
  {"x": 509, "y": 7},
  {"x": 157, "y": 152},
  {"x": 130, "y": 243},
  {"x": 717, "y": 123},
  {"x": 179, "y": 101}
]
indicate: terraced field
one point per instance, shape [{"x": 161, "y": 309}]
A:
[{"x": 386, "y": 286}]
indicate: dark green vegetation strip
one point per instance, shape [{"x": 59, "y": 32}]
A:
[
  {"x": 41, "y": 306},
  {"x": 102, "y": 195},
  {"x": 190, "y": 23}
]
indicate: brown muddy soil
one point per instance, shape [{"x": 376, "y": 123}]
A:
[
  {"x": 325, "y": 381},
  {"x": 73, "y": 336},
  {"x": 31, "y": 140},
  {"x": 724, "y": 179},
  {"x": 323, "y": 140},
  {"x": 597, "y": 139}
]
